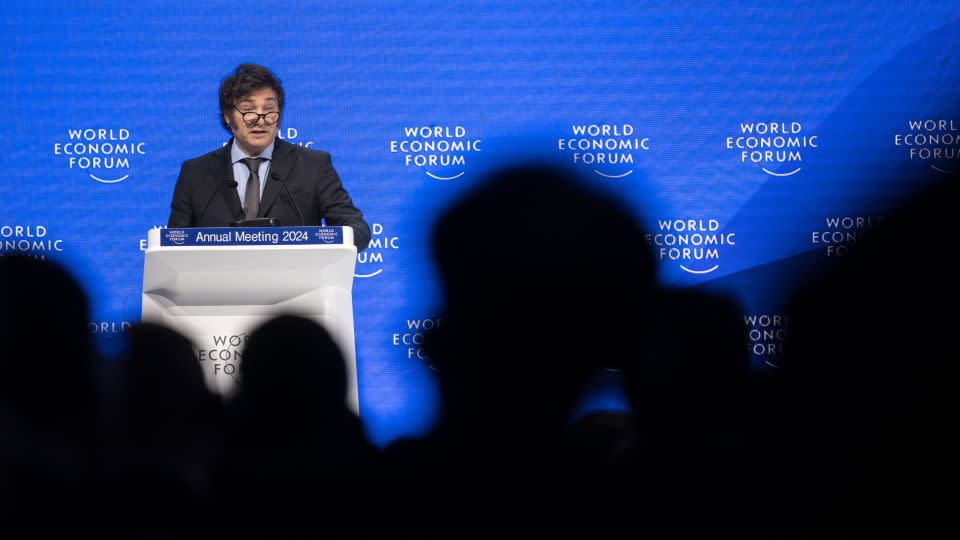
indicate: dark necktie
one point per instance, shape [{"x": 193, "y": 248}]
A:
[{"x": 251, "y": 199}]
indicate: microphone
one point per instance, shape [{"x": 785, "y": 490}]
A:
[
  {"x": 227, "y": 183},
  {"x": 276, "y": 177}
]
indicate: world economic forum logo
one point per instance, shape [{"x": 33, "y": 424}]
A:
[
  {"x": 103, "y": 154},
  {"x": 370, "y": 261},
  {"x": 108, "y": 327},
  {"x": 609, "y": 150},
  {"x": 931, "y": 141},
  {"x": 694, "y": 244},
  {"x": 177, "y": 236},
  {"x": 30, "y": 240},
  {"x": 410, "y": 338},
  {"x": 225, "y": 354},
  {"x": 767, "y": 334},
  {"x": 839, "y": 233},
  {"x": 441, "y": 152},
  {"x": 773, "y": 146},
  {"x": 327, "y": 236}
]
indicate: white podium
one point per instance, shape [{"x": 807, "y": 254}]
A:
[{"x": 216, "y": 285}]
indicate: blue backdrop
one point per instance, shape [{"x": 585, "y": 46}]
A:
[{"x": 754, "y": 139}]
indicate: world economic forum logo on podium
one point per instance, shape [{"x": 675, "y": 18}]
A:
[
  {"x": 104, "y": 154},
  {"x": 177, "y": 236},
  {"x": 327, "y": 236}
]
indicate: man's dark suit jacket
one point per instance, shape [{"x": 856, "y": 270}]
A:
[{"x": 309, "y": 174}]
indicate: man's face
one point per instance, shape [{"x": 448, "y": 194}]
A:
[{"x": 253, "y": 138}]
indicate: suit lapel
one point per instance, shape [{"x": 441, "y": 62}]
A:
[
  {"x": 222, "y": 171},
  {"x": 284, "y": 156}
]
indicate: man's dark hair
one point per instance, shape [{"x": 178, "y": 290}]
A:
[{"x": 246, "y": 79}]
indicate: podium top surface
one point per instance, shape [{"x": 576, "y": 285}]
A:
[
  {"x": 249, "y": 237},
  {"x": 217, "y": 266}
]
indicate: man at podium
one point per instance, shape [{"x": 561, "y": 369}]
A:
[{"x": 257, "y": 175}]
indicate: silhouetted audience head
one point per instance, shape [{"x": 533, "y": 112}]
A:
[
  {"x": 47, "y": 364},
  {"x": 543, "y": 278},
  {"x": 687, "y": 385},
  {"x": 166, "y": 392},
  {"x": 292, "y": 370},
  {"x": 48, "y": 396},
  {"x": 291, "y": 434},
  {"x": 169, "y": 441}
]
